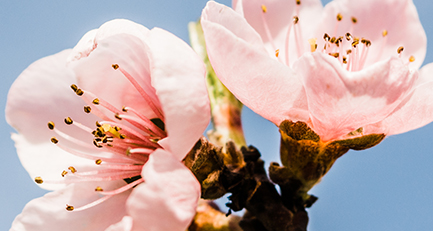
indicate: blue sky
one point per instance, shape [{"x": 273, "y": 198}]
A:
[{"x": 387, "y": 187}]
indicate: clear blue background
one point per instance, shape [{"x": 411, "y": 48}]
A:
[{"x": 388, "y": 187}]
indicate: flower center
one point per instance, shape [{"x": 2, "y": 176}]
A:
[
  {"x": 119, "y": 145},
  {"x": 351, "y": 51}
]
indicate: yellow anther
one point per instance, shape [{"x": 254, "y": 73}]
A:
[
  {"x": 333, "y": 39},
  {"x": 74, "y": 87},
  {"x": 326, "y": 37},
  {"x": 124, "y": 109},
  {"x": 69, "y": 207},
  {"x": 117, "y": 116},
  {"x": 72, "y": 169},
  {"x": 277, "y": 52},
  {"x": 295, "y": 19},
  {"x": 313, "y": 44},
  {"x": 298, "y": 2},
  {"x": 349, "y": 52},
  {"x": 96, "y": 143},
  {"x": 109, "y": 145},
  {"x": 354, "y": 20},
  {"x": 98, "y": 161},
  {"x": 98, "y": 189},
  {"x": 79, "y": 92},
  {"x": 98, "y": 124},
  {"x": 117, "y": 128},
  {"x": 95, "y": 101},
  {"x": 68, "y": 121},
  {"x": 39, "y": 180},
  {"x": 54, "y": 140},
  {"x": 366, "y": 42},
  {"x": 339, "y": 17},
  {"x": 87, "y": 109},
  {"x": 334, "y": 54},
  {"x": 122, "y": 136},
  {"x": 348, "y": 36},
  {"x": 344, "y": 60},
  {"x": 400, "y": 49},
  {"x": 64, "y": 173},
  {"x": 264, "y": 9},
  {"x": 411, "y": 59},
  {"x": 115, "y": 66},
  {"x": 51, "y": 125},
  {"x": 384, "y": 33}
]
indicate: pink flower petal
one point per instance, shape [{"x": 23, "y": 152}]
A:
[
  {"x": 178, "y": 75},
  {"x": 38, "y": 96},
  {"x": 124, "y": 225},
  {"x": 167, "y": 199},
  {"x": 117, "y": 26},
  {"x": 398, "y": 17},
  {"x": 49, "y": 212},
  {"x": 46, "y": 160},
  {"x": 96, "y": 74},
  {"x": 415, "y": 111},
  {"x": 278, "y": 17},
  {"x": 340, "y": 101},
  {"x": 262, "y": 83},
  {"x": 231, "y": 21}
]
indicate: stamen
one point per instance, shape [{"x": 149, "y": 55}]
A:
[
  {"x": 411, "y": 59},
  {"x": 97, "y": 202},
  {"x": 98, "y": 189},
  {"x": 87, "y": 109},
  {"x": 266, "y": 27},
  {"x": 348, "y": 36},
  {"x": 72, "y": 169},
  {"x": 39, "y": 180},
  {"x": 339, "y": 17},
  {"x": 64, "y": 173},
  {"x": 145, "y": 96},
  {"x": 354, "y": 20},
  {"x": 123, "y": 189},
  {"x": 277, "y": 52},
  {"x": 54, "y": 140},
  {"x": 298, "y": 32},
  {"x": 51, "y": 125},
  {"x": 117, "y": 116},
  {"x": 264, "y": 9},
  {"x": 298, "y": 2},
  {"x": 98, "y": 161},
  {"x": 96, "y": 101},
  {"x": 400, "y": 49},
  {"x": 74, "y": 87},
  {"x": 68, "y": 121},
  {"x": 69, "y": 207},
  {"x": 334, "y": 54},
  {"x": 122, "y": 160},
  {"x": 79, "y": 92},
  {"x": 384, "y": 33}
]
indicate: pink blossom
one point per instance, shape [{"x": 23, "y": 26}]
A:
[
  {"x": 145, "y": 89},
  {"x": 349, "y": 65}
]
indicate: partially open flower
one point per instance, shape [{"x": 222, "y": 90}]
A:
[
  {"x": 351, "y": 66},
  {"x": 137, "y": 106}
]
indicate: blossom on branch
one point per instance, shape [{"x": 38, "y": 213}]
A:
[
  {"x": 138, "y": 104},
  {"x": 346, "y": 68}
]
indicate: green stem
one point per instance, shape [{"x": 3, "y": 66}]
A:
[{"x": 225, "y": 108}]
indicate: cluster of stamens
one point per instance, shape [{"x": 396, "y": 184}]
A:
[
  {"x": 124, "y": 139},
  {"x": 351, "y": 51}
]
